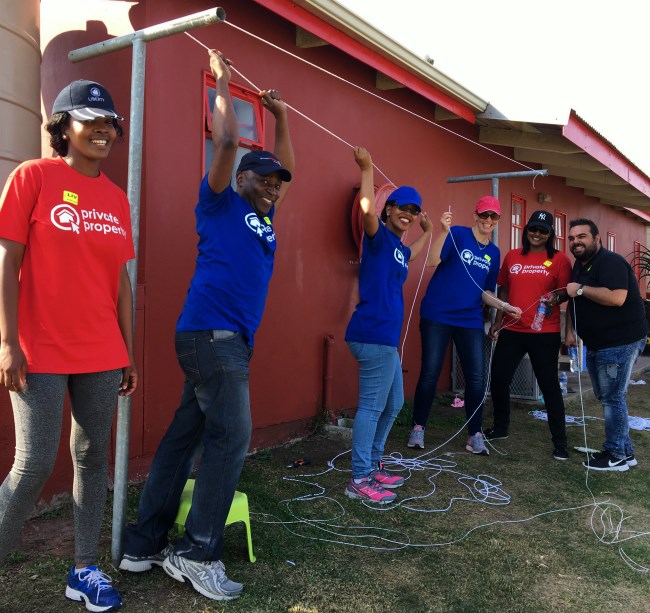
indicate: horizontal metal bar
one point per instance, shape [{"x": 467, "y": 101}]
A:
[
  {"x": 175, "y": 26},
  {"x": 500, "y": 175}
]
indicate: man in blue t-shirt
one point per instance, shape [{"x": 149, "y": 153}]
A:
[{"x": 214, "y": 340}]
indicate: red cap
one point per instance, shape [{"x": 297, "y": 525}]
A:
[{"x": 488, "y": 203}]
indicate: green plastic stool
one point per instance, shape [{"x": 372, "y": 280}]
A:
[{"x": 238, "y": 512}]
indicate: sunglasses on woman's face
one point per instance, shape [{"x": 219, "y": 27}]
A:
[
  {"x": 412, "y": 209},
  {"x": 489, "y": 215},
  {"x": 539, "y": 230}
]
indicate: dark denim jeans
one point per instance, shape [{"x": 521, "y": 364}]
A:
[
  {"x": 543, "y": 351},
  {"x": 214, "y": 413},
  {"x": 470, "y": 346},
  {"x": 610, "y": 370}
]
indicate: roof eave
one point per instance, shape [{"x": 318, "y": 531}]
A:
[{"x": 347, "y": 31}]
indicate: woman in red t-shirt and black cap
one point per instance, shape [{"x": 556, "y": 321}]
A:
[{"x": 66, "y": 322}]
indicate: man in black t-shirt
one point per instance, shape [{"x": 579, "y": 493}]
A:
[{"x": 607, "y": 312}]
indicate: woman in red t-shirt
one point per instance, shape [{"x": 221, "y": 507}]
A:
[
  {"x": 66, "y": 322},
  {"x": 529, "y": 276}
]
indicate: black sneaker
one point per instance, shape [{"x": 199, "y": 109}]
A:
[
  {"x": 492, "y": 434},
  {"x": 631, "y": 460},
  {"x": 561, "y": 453},
  {"x": 604, "y": 460}
]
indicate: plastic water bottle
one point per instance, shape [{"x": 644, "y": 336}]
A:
[
  {"x": 573, "y": 358},
  {"x": 540, "y": 315},
  {"x": 563, "y": 383}
]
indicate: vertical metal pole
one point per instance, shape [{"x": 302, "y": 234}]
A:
[{"x": 136, "y": 121}]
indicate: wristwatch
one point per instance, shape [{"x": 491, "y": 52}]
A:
[{"x": 580, "y": 290}]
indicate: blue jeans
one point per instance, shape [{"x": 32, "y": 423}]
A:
[
  {"x": 470, "y": 346},
  {"x": 610, "y": 370},
  {"x": 214, "y": 413},
  {"x": 381, "y": 396}
]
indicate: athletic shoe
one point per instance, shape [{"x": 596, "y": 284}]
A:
[
  {"x": 385, "y": 479},
  {"x": 370, "y": 490},
  {"x": 492, "y": 434},
  {"x": 475, "y": 444},
  {"x": 93, "y": 587},
  {"x": 416, "y": 438},
  {"x": 631, "y": 460},
  {"x": 561, "y": 453},
  {"x": 207, "y": 578},
  {"x": 140, "y": 564},
  {"x": 604, "y": 460}
]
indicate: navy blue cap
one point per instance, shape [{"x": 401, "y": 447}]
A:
[
  {"x": 85, "y": 100},
  {"x": 541, "y": 218},
  {"x": 263, "y": 163}
]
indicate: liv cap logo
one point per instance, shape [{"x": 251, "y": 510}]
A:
[
  {"x": 515, "y": 269},
  {"x": 399, "y": 256},
  {"x": 467, "y": 256}
]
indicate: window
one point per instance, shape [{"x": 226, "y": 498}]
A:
[
  {"x": 559, "y": 221},
  {"x": 611, "y": 241},
  {"x": 250, "y": 116},
  {"x": 517, "y": 220}
]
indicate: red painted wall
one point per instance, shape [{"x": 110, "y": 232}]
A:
[{"x": 314, "y": 287}]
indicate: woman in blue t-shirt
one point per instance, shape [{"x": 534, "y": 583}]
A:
[
  {"x": 374, "y": 330},
  {"x": 452, "y": 309}
]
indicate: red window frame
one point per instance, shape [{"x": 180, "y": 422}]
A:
[
  {"x": 559, "y": 225},
  {"x": 611, "y": 241},
  {"x": 517, "y": 220},
  {"x": 236, "y": 91}
]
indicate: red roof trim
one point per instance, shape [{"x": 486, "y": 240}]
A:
[
  {"x": 301, "y": 17},
  {"x": 581, "y": 135}
]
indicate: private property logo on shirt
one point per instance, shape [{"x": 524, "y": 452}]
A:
[
  {"x": 66, "y": 218},
  {"x": 254, "y": 223},
  {"x": 471, "y": 259},
  {"x": 399, "y": 256},
  {"x": 530, "y": 269}
]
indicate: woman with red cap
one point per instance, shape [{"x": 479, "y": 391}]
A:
[
  {"x": 452, "y": 309},
  {"x": 374, "y": 329}
]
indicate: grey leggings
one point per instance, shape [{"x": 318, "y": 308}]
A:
[{"x": 38, "y": 414}]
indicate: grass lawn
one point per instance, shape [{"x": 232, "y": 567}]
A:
[{"x": 525, "y": 538}]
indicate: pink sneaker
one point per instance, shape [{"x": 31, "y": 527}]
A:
[
  {"x": 385, "y": 479},
  {"x": 370, "y": 490}
]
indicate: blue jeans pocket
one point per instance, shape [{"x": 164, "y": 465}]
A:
[{"x": 187, "y": 358}]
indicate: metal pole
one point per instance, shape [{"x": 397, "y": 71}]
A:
[
  {"x": 133, "y": 192},
  {"x": 182, "y": 24},
  {"x": 138, "y": 41},
  {"x": 495, "y": 194},
  {"x": 500, "y": 175}
]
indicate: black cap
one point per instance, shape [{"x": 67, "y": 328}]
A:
[
  {"x": 85, "y": 100},
  {"x": 263, "y": 163},
  {"x": 541, "y": 218}
]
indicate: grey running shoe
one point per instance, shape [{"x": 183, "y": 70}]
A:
[
  {"x": 207, "y": 578},
  {"x": 475, "y": 444},
  {"x": 416, "y": 439},
  {"x": 140, "y": 564}
]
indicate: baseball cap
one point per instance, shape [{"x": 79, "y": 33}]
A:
[
  {"x": 541, "y": 218},
  {"x": 263, "y": 163},
  {"x": 488, "y": 203},
  {"x": 85, "y": 100},
  {"x": 405, "y": 195}
]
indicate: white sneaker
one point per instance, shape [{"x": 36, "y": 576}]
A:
[{"x": 207, "y": 578}]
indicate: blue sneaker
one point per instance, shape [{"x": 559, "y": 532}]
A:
[{"x": 91, "y": 585}]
